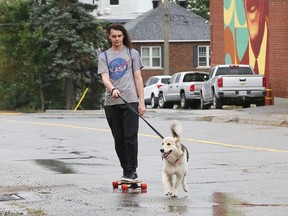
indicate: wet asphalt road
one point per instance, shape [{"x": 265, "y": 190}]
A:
[{"x": 59, "y": 164}]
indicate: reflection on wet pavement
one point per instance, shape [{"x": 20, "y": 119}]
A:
[
  {"x": 55, "y": 165},
  {"x": 176, "y": 205},
  {"x": 226, "y": 205},
  {"x": 176, "y": 209}
]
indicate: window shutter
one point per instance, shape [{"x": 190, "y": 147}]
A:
[
  {"x": 138, "y": 48},
  {"x": 162, "y": 56},
  {"x": 195, "y": 56}
]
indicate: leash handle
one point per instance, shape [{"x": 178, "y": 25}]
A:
[{"x": 131, "y": 108}]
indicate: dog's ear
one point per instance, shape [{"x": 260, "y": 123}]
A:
[{"x": 177, "y": 141}]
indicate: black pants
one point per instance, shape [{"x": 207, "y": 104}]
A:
[{"x": 124, "y": 124}]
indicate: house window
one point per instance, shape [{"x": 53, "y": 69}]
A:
[
  {"x": 151, "y": 56},
  {"x": 114, "y": 2},
  {"x": 201, "y": 56},
  {"x": 204, "y": 56}
]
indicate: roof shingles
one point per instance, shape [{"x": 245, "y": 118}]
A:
[{"x": 184, "y": 25}]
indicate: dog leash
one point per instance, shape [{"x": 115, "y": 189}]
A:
[{"x": 131, "y": 108}]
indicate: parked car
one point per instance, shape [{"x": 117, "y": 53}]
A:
[
  {"x": 233, "y": 85},
  {"x": 151, "y": 89},
  {"x": 183, "y": 88}
]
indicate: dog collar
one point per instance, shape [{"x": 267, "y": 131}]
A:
[{"x": 178, "y": 159}]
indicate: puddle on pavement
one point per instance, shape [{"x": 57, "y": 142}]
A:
[
  {"x": 130, "y": 204},
  {"x": 26, "y": 195},
  {"x": 55, "y": 165},
  {"x": 9, "y": 197},
  {"x": 77, "y": 152}
]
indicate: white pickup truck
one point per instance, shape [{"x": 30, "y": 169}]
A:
[
  {"x": 183, "y": 88},
  {"x": 233, "y": 85}
]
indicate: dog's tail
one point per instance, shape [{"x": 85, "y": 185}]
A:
[{"x": 176, "y": 129}]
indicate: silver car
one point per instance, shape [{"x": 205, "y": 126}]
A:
[{"x": 151, "y": 89}]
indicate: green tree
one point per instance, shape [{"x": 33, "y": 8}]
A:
[
  {"x": 71, "y": 35},
  {"x": 47, "y": 53},
  {"x": 200, "y": 7},
  {"x": 16, "y": 74}
]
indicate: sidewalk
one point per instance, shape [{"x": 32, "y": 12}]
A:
[{"x": 274, "y": 115}]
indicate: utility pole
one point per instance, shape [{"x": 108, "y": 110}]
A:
[{"x": 166, "y": 38}]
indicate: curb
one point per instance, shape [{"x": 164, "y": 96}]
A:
[
  {"x": 217, "y": 117},
  {"x": 254, "y": 120}
]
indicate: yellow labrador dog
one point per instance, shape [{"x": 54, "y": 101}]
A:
[{"x": 175, "y": 156}]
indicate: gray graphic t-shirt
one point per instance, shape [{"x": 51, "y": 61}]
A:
[{"x": 119, "y": 67}]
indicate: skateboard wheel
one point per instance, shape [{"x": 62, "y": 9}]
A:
[
  {"x": 124, "y": 187},
  {"x": 144, "y": 186},
  {"x": 115, "y": 184}
]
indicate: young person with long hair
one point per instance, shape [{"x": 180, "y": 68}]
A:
[{"x": 120, "y": 68}]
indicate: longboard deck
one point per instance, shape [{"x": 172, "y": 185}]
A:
[
  {"x": 125, "y": 185},
  {"x": 130, "y": 182}
]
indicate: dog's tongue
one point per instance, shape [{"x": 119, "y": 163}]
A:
[{"x": 166, "y": 154}]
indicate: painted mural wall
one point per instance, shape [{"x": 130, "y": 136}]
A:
[{"x": 246, "y": 33}]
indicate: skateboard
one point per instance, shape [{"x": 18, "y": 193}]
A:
[{"x": 125, "y": 185}]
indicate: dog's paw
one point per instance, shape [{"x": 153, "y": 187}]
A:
[
  {"x": 174, "y": 193},
  {"x": 185, "y": 189},
  {"x": 168, "y": 193}
]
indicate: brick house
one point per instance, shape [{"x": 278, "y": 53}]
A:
[
  {"x": 189, "y": 40},
  {"x": 232, "y": 39}
]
